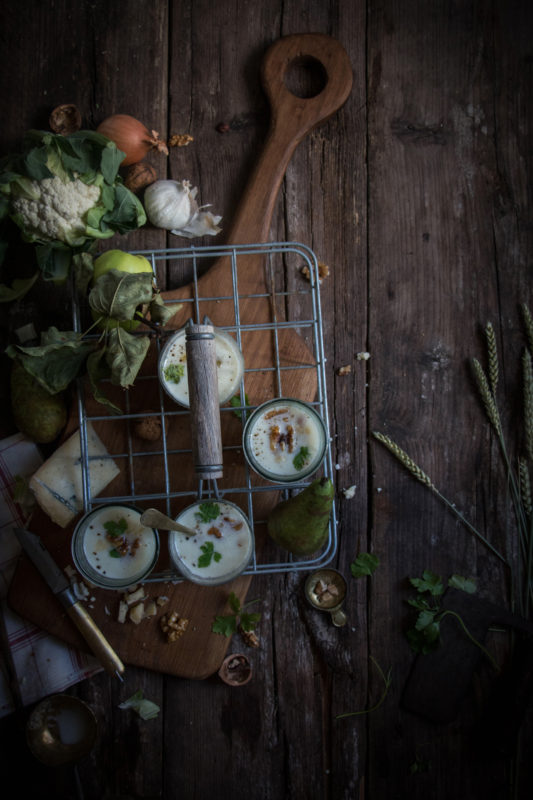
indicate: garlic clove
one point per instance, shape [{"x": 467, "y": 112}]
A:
[{"x": 202, "y": 224}]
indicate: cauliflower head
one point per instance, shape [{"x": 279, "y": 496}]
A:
[
  {"x": 64, "y": 193},
  {"x": 57, "y": 209}
]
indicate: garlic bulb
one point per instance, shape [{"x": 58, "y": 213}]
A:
[{"x": 172, "y": 205}]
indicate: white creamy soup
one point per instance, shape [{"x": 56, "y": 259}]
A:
[
  {"x": 116, "y": 545},
  {"x": 221, "y": 547},
  {"x": 173, "y": 367},
  {"x": 284, "y": 439}
]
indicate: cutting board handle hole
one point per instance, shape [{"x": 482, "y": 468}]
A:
[{"x": 305, "y": 77}]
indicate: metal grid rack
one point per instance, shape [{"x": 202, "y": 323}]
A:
[{"x": 310, "y": 322}]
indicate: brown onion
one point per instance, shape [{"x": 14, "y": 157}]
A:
[{"x": 131, "y": 136}]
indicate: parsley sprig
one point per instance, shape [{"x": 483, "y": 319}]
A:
[
  {"x": 301, "y": 458},
  {"x": 174, "y": 372},
  {"x": 364, "y": 565},
  {"x": 208, "y": 554},
  {"x": 424, "y": 636},
  {"x": 228, "y": 624},
  {"x": 207, "y": 511},
  {"x": 116, "y": 529}
]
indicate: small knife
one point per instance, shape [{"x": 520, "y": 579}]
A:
[{"x": 60, "y": 586}]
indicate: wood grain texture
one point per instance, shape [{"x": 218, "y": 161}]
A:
[{"x": 417, "y": 196}]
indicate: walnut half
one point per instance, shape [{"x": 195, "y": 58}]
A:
[{"x": 173, "y": 626}]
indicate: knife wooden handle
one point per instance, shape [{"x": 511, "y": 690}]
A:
[{"x": 95, "y": 639}]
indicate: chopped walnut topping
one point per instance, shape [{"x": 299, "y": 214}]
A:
[
  {"x": 279, "y": 440},
  {"x": 235, "y": 524},
  {"x": 276, "y": 412},
  {"x": 180, "y": 140},
  {"x": 214, "y": 531},
  {"x": 173, "y": 626}
]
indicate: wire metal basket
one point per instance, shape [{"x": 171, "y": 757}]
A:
[{"x": 301, "y": 312}]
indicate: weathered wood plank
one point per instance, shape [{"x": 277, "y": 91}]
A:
[{"x": 434, "y": 279}]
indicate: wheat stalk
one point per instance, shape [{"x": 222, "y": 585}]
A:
[
  {"x": 528, "y": 325},
  {"x": 487, "y": 397},
  {"x": 406, "y": 460},
  {"x": 492, "y": 352},
  {"x": 525, "y": 487},
  {"x": 421, "y": 476},
  {"x": 528, "y": 402}
]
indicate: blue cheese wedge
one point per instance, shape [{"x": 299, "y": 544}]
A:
[{"x": 58, "y": 483}]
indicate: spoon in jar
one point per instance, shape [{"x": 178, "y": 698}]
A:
[{"x": 153, "y": 518}]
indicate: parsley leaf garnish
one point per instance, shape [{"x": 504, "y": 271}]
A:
[
  {"x": 208, "y": 554},
  {"x": 236, "y": 402},
  {"x": 301, "y": 458},
  {"x": 364, "y": 564},
  {"x": 116, "y": 529},
  {"x": 207, "y": 512},
  {"x": 424, "y": 636},
  {"x": 227, "y": 624},
  {"x": 174, "y": 373},
  {"x": 114, "y": 553}
]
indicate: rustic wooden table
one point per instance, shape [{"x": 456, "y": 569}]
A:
[{"x": 417, "y": 195}]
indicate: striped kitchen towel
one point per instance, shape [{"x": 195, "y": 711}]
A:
[{"x": 35, "y": 663}]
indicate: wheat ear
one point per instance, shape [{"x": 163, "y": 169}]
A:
[
  {"x": 421, "y": 476},
  {"x": 528, "y": 325},
  {"x": 487, "y": 397},
  {"x": 406, "y": 460},
  {"x": 492, "y": 352},
  {"x": 528, "y": 403},
  {"x": 525, "y": 487}
]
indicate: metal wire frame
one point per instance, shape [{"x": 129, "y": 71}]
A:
[{"x": 195, "y": 255}]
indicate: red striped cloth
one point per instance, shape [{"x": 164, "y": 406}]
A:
[{"x": 38, "y": 664}]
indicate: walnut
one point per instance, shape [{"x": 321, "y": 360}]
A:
[
  {"x": 173, "y": 626},
  {"x": 323, "y": 272},
  {"x": 65, "y": 119},
  {"x": 279, "y": 440},
  {"x": 180, "y": 140},
  {"x": 138, "y": 176},
  {"x": 149, "y": 428},
  {"x": 249, "y": 637},
  {"x": 214, "y": 531}
]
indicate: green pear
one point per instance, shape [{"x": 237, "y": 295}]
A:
[
  {"x": 36, "y": 413},
  {"x": 300, "y": 524}
]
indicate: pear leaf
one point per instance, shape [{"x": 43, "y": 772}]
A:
[
  {"x": 117, "y": 294},
  {"x": 160, "y": 311},
  {"x": 57, "y": 361},
  {"x": 97, "y": 370},
  {"x": 125, "y": 354}
]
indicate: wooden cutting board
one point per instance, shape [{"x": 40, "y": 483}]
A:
[{"x": 199, "y": 652}]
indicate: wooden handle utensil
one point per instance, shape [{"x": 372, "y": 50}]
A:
[{"x": 203, "y": 399}]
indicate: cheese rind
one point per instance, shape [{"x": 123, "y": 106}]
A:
[{"x": 58, "y": 483}]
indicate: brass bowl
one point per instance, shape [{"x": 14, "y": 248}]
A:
[
  {"x": 325, "y": 589},
  {"x": 61, "y": 729}
]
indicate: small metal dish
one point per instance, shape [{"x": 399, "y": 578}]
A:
[
  {"x": 326, "y": 590},
  {"x": 61, "y": 729}
]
